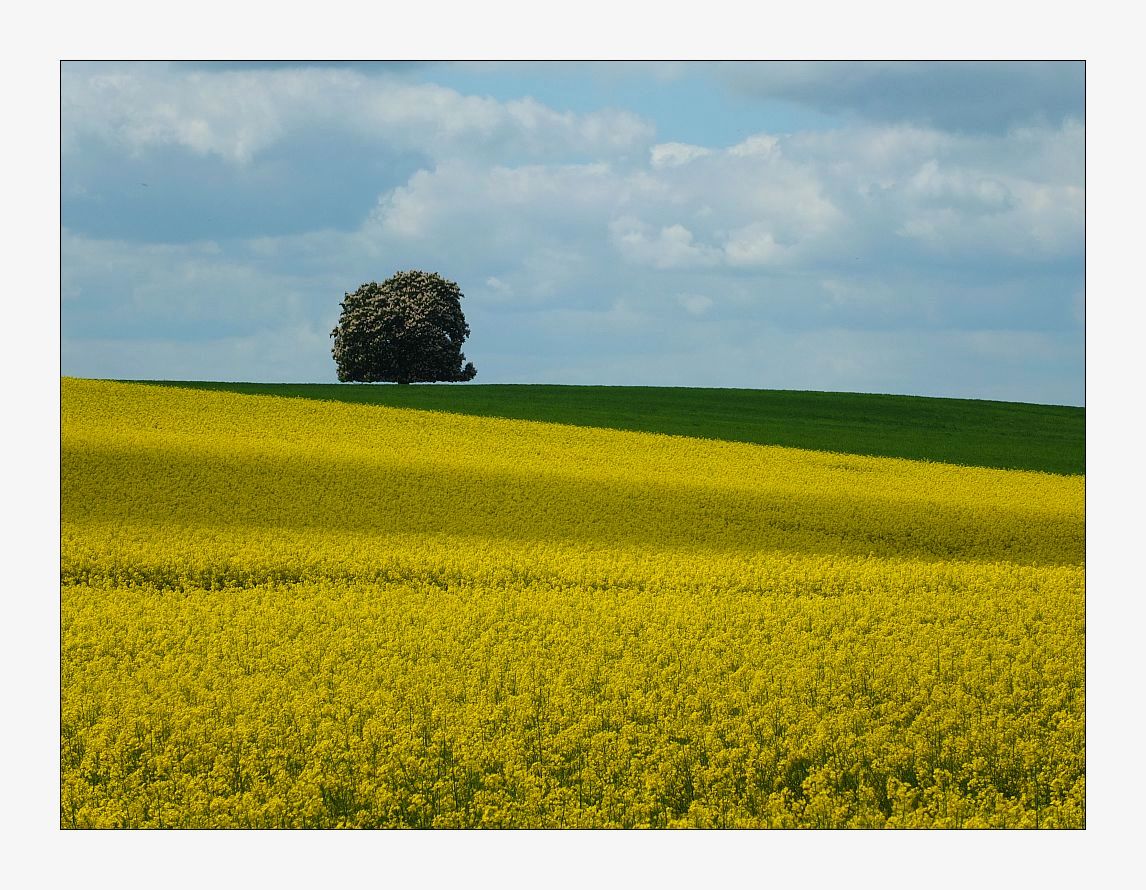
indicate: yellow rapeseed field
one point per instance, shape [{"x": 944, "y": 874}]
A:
[{"x": 281, "y": 612}]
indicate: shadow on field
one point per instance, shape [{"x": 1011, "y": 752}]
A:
[
  {"x": 170, "y": 489},
  {"x": 1004, "y": 435}
]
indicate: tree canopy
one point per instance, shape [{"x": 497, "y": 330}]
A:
[{"x": 408, "y": 329}]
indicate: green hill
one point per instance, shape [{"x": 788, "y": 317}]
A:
[{"x": 1010, "y": 435}]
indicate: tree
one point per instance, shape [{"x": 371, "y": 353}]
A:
[{"x": 407, "y": 329}]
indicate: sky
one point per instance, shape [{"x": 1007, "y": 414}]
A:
[{"x": 894, "y": 227}]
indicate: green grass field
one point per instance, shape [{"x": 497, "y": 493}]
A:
[{"x": 1007, "y": 435}]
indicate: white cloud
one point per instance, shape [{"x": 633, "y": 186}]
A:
[
  {"x": 236, "y": 115},
  {"x": 673, "y": 154},
  {"x": 487, "y": 201},
  {"x": 761, "y": 145},
  {"x": 671, "y": 247},
  {"x": 964, "y": 189},
  {"x": 1020, "y": 219},
  {"x": 754, "y": 245},
  {"x": 497, "y": 285},
  {"x": 233, "y": 117}
]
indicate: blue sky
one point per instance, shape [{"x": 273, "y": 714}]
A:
[{"x": 892, "y": 227}]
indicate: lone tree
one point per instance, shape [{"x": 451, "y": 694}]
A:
[{"x": 408, "y": 329}]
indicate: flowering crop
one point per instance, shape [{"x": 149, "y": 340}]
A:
[{"x": 288, "y": 613}]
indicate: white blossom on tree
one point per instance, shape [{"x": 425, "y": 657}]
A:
[{"x": 408, "y": 329}]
